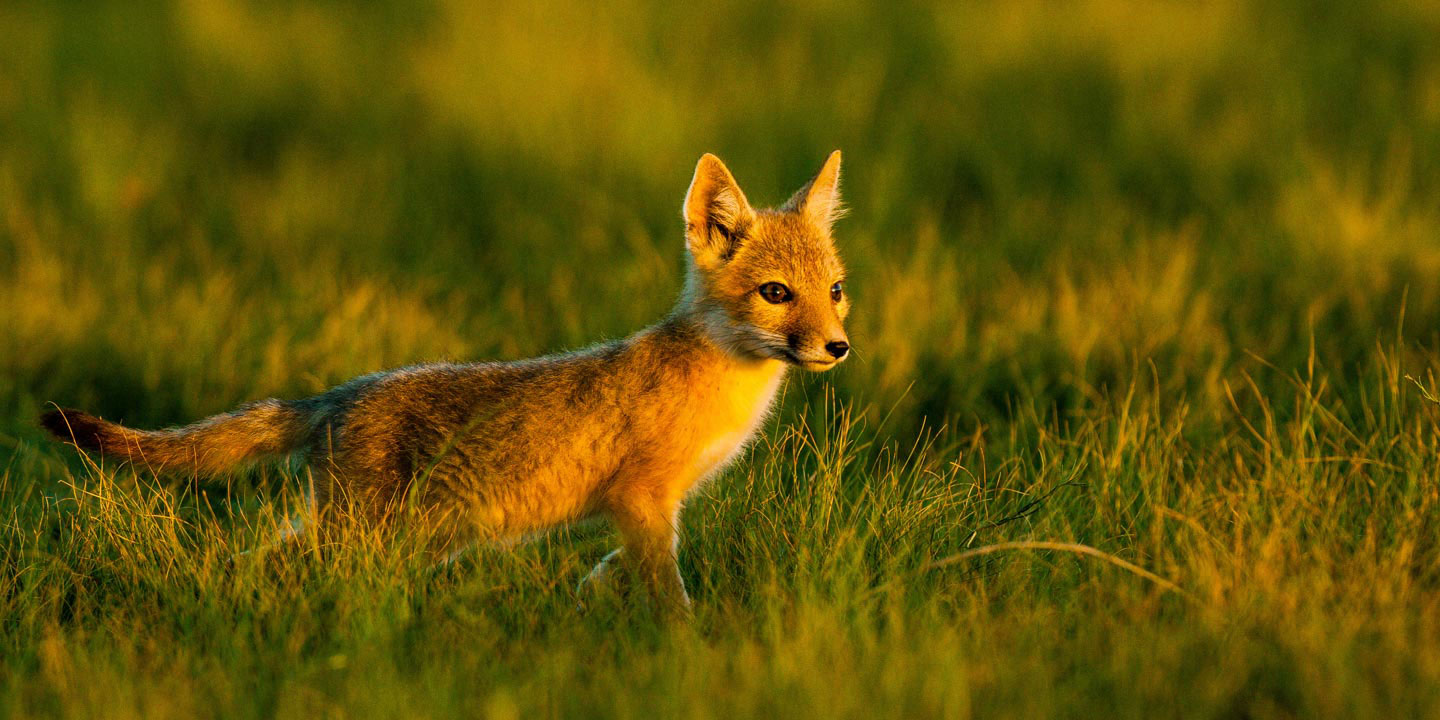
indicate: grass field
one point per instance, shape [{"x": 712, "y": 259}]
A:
[{"x": 1158, "y": 279}]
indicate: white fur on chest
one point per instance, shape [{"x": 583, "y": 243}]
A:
[{"x": 749, "y": 397}]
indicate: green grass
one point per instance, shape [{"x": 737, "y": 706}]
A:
[{"x": 1160, "y": 279}]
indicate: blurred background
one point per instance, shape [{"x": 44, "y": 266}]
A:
[
  {"x": 1162, "y": 278},
  {"x": 214, "y": 201}
]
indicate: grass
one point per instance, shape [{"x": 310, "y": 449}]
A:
[{"x": 1142, "y": 422}]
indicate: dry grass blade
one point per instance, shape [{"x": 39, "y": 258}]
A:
[{"x": 1061, "y": 547}]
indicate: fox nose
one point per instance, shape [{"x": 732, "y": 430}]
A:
[{"x": 838, "y": 348}]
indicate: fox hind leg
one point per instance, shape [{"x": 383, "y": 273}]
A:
[{"x": 601, "y": 581}]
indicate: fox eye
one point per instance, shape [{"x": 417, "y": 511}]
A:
[
  {"x": 774, "y": 292},
  {"x": 837, "y": 291}
]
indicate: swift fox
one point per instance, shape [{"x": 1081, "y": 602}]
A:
[{"x": 623, "y": 430}]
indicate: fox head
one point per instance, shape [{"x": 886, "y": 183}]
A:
[{"x": 767, "y": 284}]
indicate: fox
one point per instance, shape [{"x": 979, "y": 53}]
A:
[{"x": 624, "y": 430}]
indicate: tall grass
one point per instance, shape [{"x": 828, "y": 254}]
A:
[{"x": 1161, "y": 280}]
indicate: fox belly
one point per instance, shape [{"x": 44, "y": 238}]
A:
[
  {"x": 505, "y": 504},
  {"x": 513, "y": 471}
]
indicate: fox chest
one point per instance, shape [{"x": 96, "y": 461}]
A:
[{"x": 728, "y": 417}]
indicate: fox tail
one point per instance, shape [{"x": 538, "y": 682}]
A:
[{"x": 215, "y": 444}]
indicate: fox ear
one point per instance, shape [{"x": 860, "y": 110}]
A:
[
  {"x": 716, "y": 213},
  {"x": 819, "y": 199}
]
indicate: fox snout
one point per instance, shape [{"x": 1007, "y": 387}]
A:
[{"x": 821, "y": 352}]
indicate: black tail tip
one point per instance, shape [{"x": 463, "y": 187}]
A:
[
  {"x": 54, "y": 421},
  {"x": 73, "y": 425}
]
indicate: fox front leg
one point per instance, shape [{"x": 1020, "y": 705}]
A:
[
  {"x": 649, "y": 555},
  {"x": 613, "y": 577},
  {"x": 652, "y": 560}
]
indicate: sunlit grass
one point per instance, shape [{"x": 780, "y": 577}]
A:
[
  {"x": 1161, "y": 281},
  {"x": 831, "y": 576}
]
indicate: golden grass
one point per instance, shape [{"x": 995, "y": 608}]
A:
[{"x": 1151, "y": 286}]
